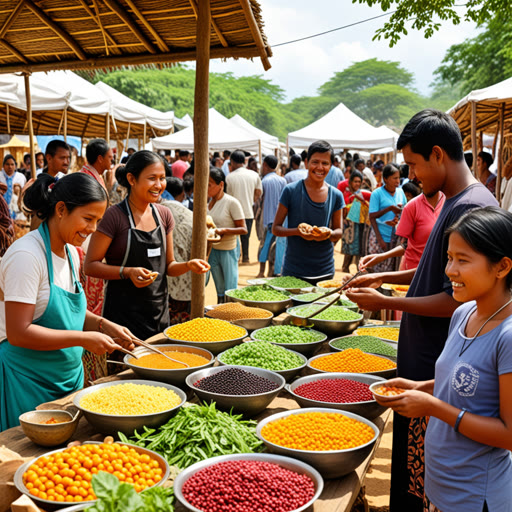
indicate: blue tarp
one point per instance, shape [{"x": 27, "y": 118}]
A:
[{"x": 43, "y": 140}]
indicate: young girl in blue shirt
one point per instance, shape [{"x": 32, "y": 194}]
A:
[{"x": 468, "y": 463}]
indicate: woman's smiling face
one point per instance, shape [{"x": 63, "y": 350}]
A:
[
  {"x": 150, "y": 184},
  {"x": 76, "y": 225}
]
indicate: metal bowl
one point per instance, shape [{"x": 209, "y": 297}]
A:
[
  {"x": 369, "y": 409},
  {"x": 395, "y": 324},
  {"x": 302, "y": 348},
  {"x": 215, "y": 347},
  {"x": 329, "y": 463},
  {"x": 275, "y": 307},
  {"x": 53, "y": 434},
  {"x": 330, "y": 327},
  {"x": 285, "y": 462},
  {"x": 112, "y": 424},
  {"x": 385, "y": 374},
  {"x": 170, "y": 376},
  {"x": 50, "y": 505},
  {"x": 387, "y": 342},
  {"x": 252, "y": 324},
  {"x": 246, "y": 404},
  {"x": 177, "y": 376},
  {"x": 286, "y": 374}
]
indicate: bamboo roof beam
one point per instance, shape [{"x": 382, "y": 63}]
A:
[
  {"x": 159, "y": 41},
  {"x": 57, "y": 29},
  {"x": 11, "y": 19},
  {"x": 114, "y": 6},
  {"x": 256, "y": 34},
  {"x": 221, "y": 37},
  {"x": 15, "y": 52}
]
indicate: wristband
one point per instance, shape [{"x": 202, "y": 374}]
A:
[
  {"x": 100, "y": 325},
  {"x": 459, "y": 418},
  {"x": 121, "y": 270}
]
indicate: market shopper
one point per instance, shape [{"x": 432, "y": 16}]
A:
[
  {"x": 386, "y": 205},
  {"x": 468, "y": 464},
  {"x": 44, "y": 322},
  {"x": 229, "y": 218},
  {"x": 100, "y": 158},
  {"x": 8, "y": 178},
  {"x": 316, "y": 203},
  {"x": 432, "y": 147},
  {"x": 135, "y": 238}
]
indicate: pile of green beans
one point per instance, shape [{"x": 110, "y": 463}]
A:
[
  {"x": 288, "y": 282},
  {"x": 337, "y": 313},
  {"x": 369, "y": 344},
  {"x": 288, "y": 334},
  {"x": 259, "y": 294}
]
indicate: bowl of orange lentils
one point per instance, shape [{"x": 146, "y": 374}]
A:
[
  {"x": 386, "y": 391},
  {"x": 64, "y": 476},
  {"x": 212, "y": 334},
  {"x": 334, "y": 442},
  {"x": 353, "y": 360}
]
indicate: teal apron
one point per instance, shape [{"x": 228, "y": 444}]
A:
[{"x": 31, "y": 377}]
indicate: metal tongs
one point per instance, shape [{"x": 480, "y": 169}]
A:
[
  {"x": 136, "y": 341},
  {"x": 303, "y": 322}
]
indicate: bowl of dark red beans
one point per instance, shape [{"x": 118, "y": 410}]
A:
[
  {"x": 256, "y": 481},
  {"x": 344, "y": 391},
  {"x": 244, "y": 389}
]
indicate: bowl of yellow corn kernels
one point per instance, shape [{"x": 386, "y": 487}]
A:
[
  {"x": 129, "y": 405},
  {"x": 212, "y": 334}
]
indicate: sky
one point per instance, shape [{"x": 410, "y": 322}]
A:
[{"x": 300, "y": 68}]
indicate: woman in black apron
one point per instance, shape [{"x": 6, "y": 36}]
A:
[{"x": 135, "y": 238}]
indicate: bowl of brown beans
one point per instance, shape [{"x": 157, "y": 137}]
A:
[
  {"x": 244, "y": 316},
  {"x": 245, "y": 389},
  {"x": 151, "y": 366}
]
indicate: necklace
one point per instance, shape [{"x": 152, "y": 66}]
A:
[{"x": 471, "y": 340}]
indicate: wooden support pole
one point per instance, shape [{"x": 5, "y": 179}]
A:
[
  {"x": 8, "y": 119},
  {"x": 28, "y": 98},
  {"x": 495, "y": 141},
  {"x": 144, "y": 144},
  {"x": 107, "y": 128},
  {"x": 473, "y": 139},
  {"x": 500, "y": 153},
  {"x": 202, "y": 168},
  {"x": 65, "y": 125}
]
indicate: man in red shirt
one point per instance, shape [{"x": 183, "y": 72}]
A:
[{"x": 181, "y": 165}]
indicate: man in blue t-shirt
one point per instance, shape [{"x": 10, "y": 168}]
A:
[
  {"x": 432, "y": 147},
  {"x": 314, "y": 202}
]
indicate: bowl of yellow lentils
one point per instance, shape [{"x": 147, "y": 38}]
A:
[
  {"x": 129, "y": 405},
  {"x": 211, "y": 334}
]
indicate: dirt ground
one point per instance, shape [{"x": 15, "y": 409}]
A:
[{"x": 377, "y": 480}]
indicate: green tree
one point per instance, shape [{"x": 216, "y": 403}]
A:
[
  {"x": 480, "y": 61},
  {"x": 427, "y": 15}
]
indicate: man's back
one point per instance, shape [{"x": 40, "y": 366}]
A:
[{"x": 242, "y": 183}]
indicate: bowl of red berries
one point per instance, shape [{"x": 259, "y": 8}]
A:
[
  {"x": 248, "y": 481},
  {"x": 344, "y": 391}
]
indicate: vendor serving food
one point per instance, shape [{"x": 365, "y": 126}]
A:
[
  {"x": 135, "y": 238},
  {"x": 44, "y": 322},
  {"x": 314, "y": 211}
]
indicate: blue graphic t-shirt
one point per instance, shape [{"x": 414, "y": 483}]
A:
[{"x": 460, "y": 474}]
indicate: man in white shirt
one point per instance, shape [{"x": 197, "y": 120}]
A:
[{"x": 244, "y": 185}]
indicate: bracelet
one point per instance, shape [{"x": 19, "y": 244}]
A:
[
  {"x": 100, "y": 325},
  {"x": 459, "y": 418},
  {"x": 121, "y": 270}
]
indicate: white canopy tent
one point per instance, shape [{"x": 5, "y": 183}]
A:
[
  {"x": 387, "y": 149},
  {"x": 269, "y": 143},
  {"x": 343, "y": 130},
  {"x": 184, "y": 122},
  {"x": 222, "y": 134}
]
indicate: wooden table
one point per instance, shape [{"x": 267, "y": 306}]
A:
[{"x": 338, "y": 495}]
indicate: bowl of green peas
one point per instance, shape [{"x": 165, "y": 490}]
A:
[
  {"x": 292, "y": 337},
  {"x": 333, "y": 321},
  {"x": 369, "y": 344},
  {"x": 262, "y": 296},
  {"x": 262, "y": 354},
  {"x": 288, "y": 283}
]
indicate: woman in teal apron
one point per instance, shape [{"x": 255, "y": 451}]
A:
[
  {"x": 43, "y": 307},
  {"x": 135, "y": 239}
]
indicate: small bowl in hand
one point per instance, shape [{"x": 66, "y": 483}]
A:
[
  {"x": 382, "y": 398},
  {"x": 37, "y": 430}
]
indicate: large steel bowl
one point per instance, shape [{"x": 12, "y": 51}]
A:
[
  {"x": 329, "y": 463},
  {"x": 215, "y": 347},
  {"x": 302, "y": 348},
  {"x": 385, "y": 374},
  {"x": 392, "y": 344},
  {"x": 247, "y": 404},
  {"x": 369, "y": 409},
  {"x": 275, "y": 307},
  {"x": 171, "y": 376},
  {"x": 50, "y": 505},
  {"x": 332, "y": 328},
  {"x": 252, "y": 324},
  {"x": 286, "y": 374},
  {"x": 285, "y": 462},
  {"x": 112, "y": 424}
]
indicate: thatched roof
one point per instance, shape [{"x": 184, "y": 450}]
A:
[{"x": 43, "y": 35}]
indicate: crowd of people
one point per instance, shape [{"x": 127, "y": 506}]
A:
[{"x": 108, "y": 262}]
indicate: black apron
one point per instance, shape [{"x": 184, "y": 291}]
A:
[{"x": 145, "y": 311}]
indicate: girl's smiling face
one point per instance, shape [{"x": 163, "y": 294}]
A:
[{"x": 472, "y": 274}]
